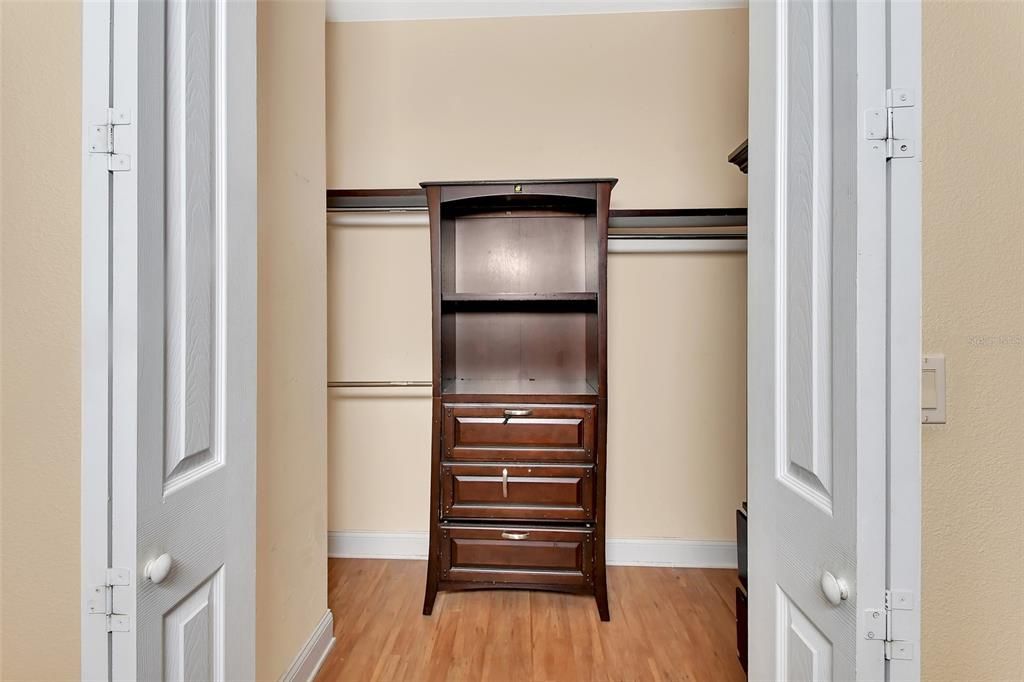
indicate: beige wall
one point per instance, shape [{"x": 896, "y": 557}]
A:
[
  {"x": 40, "y": 271},
  {"x": 291, "y": 574},
  {"x": 658, "y": 100},
  {"x": 379, "y": 328},
  {"x": 40, "y": 256},
  {"x": 973, "y": 607},
  {"x": 677, "y": 340}
]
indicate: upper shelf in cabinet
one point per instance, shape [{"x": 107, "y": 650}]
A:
[{"x": 556, "y": 301}]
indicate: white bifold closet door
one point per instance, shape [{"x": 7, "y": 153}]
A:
[
  {"x": 817, "y": 392},
  {"x": 183, "y": 474}
]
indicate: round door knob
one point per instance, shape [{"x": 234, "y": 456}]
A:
[
  {"x": 835, "y": 589},
  {"x": 157, "y": 569}
]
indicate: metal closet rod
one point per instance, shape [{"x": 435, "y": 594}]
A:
[
  {"x": 378, "y": 384},
  {"x": 406, "y": 207}
]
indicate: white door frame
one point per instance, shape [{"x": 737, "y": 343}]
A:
[
  {"x": 109, "y": 322},
  {"x": 904, "y": 339},
  {"x": 96, "y": 344}
]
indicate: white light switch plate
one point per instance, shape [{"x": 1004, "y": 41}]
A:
[{"x": 933, "y": 389}]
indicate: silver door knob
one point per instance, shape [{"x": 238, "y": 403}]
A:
[
  {"x": 157, "y": 569},
  {"x": 835, "y": 589}
]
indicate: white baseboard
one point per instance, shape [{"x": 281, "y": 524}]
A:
[
  {"x": 670, "y": 552},
  {"x": 307, "y": 663},
  {"x": 362, "y": 544},
  {"x": 620, "y": 551},
  {"x": 398, "y": 10}
]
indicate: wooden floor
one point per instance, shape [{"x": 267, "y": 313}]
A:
[{"x": 667, "y": 624}]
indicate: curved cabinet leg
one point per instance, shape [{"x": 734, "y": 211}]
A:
[
  {"x": 434, "y": 547},
  {"x": 431, "y": 591}
]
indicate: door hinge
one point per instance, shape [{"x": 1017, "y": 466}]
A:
[
  {"x": 888, "y": 124},
  {"x": 101, "y": 600},
  {"x": 101, "y": 140},
  {"x": 878, "y": 625}
]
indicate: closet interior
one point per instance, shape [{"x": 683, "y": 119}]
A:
[{"x": 531, "y": 381}]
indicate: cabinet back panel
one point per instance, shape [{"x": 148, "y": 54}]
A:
[
  {"x": 520, "y": 345},
  {"x": 514, "y": 254}
]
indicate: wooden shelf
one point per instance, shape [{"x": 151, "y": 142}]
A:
[
  {"x": 454, "y": 387},
  {"x": 555, "y": 296},
  {"x": 577, "y": 300}
]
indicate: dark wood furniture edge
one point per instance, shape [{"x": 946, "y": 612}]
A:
[
  {"x": 376, "y": 199},
  {"x": 738, "y": 156},
  {"x": 415, "y": 197},
  {"x": 643, "y": 223},
  {"x": 519, "y": 181}
]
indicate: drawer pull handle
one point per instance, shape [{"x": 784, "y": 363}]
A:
[
  {"x": 514, "y": 536},
  {"x": 518, "y": 413},
  {"x": 504, "y": 482}
]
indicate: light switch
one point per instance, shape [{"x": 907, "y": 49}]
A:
[
  {"x": 933, "y": 389},
  {"x": 929, "y": 392}
]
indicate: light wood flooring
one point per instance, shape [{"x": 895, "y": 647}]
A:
[{"x": 667, "y": 624}]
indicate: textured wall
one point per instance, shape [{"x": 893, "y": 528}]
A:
[
  {"x": 657, "y": 100},
  {"x": 40, "y": 274},
  {"x": 291, "y": 571},
  {"x": 973, "y": 605}
]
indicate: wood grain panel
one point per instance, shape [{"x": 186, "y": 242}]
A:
[
  {"x": 189, "y": 256},
  {"x": 192, "y": 246},
  {"x": 194, "y": 633},
  {"x": 513, "y": 556},
  {"x": 805, "y": 653},
  {"x": 532, "y": 346},
  {"x": 806, "y": 229},
  {"x": 817, "y": 338},
  {"x": 675, "y": 624},
  {"x": 526, "y": 491},
  {"x": 564, "y": 427},
  {"x": 511, "y": 255}
]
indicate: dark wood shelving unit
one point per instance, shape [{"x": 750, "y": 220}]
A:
[{"x": 519, "y": 386}]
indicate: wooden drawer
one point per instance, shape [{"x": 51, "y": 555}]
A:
[
  {"x": 520, "y": 432},
  {"x": 517, "y": 555},
  {"x": 508, "y": 491}
]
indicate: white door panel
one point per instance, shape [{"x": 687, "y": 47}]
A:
[
  {"x": 194, "y": 634},
  {"x": 184, "y": 300},
  {"x": 816, "y": 338},
  {"x": 193, "y": 163},
  {"x": 804, "y": 654}
]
